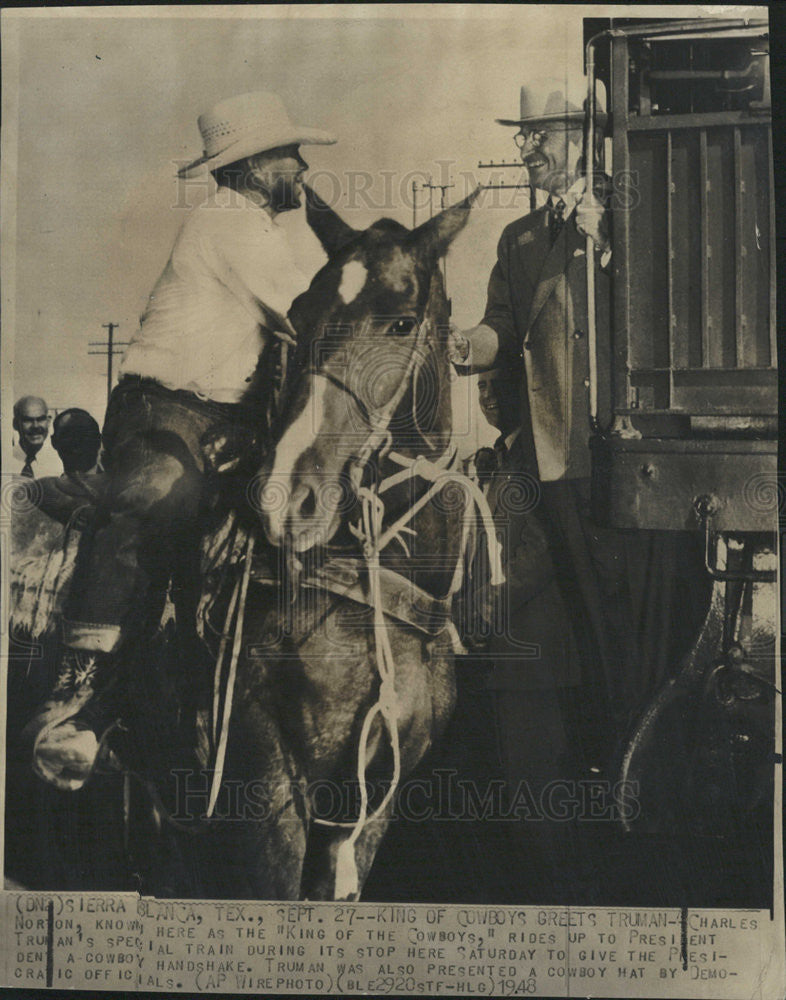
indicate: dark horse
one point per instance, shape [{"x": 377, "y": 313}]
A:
[{"x": 340, "y": 652}]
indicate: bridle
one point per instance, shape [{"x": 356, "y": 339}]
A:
[{"x": 379, "y": 437}]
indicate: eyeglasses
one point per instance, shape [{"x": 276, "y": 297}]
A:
[
  {"x": 537, "y": 136},
  {"x": 522, "y": 138}
]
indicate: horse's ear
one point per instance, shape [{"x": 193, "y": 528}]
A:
[
  {"x": 331, "y": 229},
  {"x": 437, "y": 234}
]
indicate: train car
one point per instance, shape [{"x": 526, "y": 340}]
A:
[{"x": 692, "y": 443}]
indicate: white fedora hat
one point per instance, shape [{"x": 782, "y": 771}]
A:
[
  {"x": 247, "y": 124},
  {"x": 557, "y": 99}
]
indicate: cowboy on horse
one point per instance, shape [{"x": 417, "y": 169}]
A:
[
  {"x": 345, "y": 498},
  {"x": 221, "y": 298}
]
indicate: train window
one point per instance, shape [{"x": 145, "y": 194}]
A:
[{"x": 677, "y": 77}]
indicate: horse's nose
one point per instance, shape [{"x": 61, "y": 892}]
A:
[
  {"x": 304, "y": 501},
  {"x": 313, "y": 513}
]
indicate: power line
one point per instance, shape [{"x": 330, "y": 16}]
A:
[{"x": 501, "y": 185}]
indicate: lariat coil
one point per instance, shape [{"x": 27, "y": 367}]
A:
[{"x": 374, "y": 539}]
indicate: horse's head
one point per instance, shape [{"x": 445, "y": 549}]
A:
[{"x": 370, "y": 367}]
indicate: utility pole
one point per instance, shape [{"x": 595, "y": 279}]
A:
[
  {"x": 503, "y": 165},
  {"x": 437, "y": 187},
  {"x": 111, "y": 347},
  {"x": 442, "y": 188},
  {"x": 415, "y": 190}
]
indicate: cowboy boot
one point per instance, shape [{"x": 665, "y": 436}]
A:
[{"x": 65, "y": 734}]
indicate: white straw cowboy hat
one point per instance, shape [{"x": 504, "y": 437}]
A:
[
  {"x": 247, "y": 124},
  {"x": 547, "y": 100}
]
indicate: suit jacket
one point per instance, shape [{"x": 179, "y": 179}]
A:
[{"x": 537, "y": 304}]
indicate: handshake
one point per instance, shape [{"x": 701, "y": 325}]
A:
[{"x": 459, "y": 347}]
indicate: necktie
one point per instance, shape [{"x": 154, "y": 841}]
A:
[
  {"x": 500, "y": 450},
  {"x": 27, "y": 469},
  {"x": 556, "y": 218}
]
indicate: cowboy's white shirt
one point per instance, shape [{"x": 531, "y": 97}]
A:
[{"x": 208, "y": 316}]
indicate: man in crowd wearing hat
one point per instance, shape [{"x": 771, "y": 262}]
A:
[
  {"x": 618, "y": 586},
  {"x": 32, "y": 458},
  {"x": 223, "y": 294}
]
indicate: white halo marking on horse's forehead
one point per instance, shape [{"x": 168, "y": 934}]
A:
[{"x": 353, "y": 278}]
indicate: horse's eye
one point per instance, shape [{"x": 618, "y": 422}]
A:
[{"x": 403, "y": 326}]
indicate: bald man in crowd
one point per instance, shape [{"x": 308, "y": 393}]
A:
[{"x": 32, "y": 456}]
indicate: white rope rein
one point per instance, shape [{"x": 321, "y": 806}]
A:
[
  {"x": 386, "y": 705},
  {"x": 374, "y": 540}
]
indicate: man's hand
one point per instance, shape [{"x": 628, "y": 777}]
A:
[
  {"x": 459, "y": 346},
  {"x": 592, "y": 216},
  {"x": 591, "y": 220}
]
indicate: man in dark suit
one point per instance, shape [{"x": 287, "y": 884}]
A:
[
  {"x": 537, "y": 300},
  {"x": 630, "y": 623}
]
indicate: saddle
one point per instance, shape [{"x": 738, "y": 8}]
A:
[{"x": 403, "y": 600}]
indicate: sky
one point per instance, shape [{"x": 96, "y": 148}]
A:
[{"x": 100, "y": 107}]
